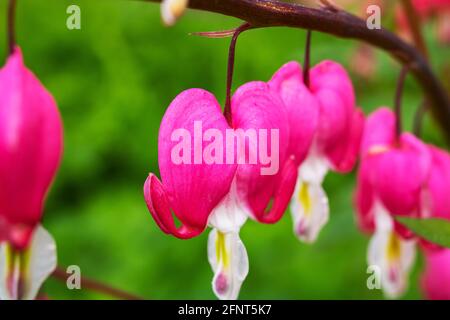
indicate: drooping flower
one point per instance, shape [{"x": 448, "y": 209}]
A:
[
  {"x": 208, "y": 177},
  {"x": 390, "y": 181},
  {"x": 30, "y": 152},
  {"x": 436, "y": 278},
  {"x": 326, "y": 129}
]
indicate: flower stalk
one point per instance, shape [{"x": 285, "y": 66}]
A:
[
  {"x": 398, "y": 100},
  {"x": 231, "y": 56},
  {"x": 11, "y": 25},
  {"x": 307, "y": 63}
]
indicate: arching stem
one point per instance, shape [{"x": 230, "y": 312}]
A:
[
  {"x": 11, "y": 25},
  {"x": 398, "y": 99},
  {"x": 231, "y": 55},
  {"x": 307, "y": 62}
]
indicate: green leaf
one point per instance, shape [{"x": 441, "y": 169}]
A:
[{"x": 432, "y": 229}]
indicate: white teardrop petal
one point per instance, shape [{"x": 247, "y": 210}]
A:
[
  {"x": 229, "y": 261},
  {"x": 27, "y": 269},
  {"x": 43, "y": 261},
  {"x": 309, "y": 209},
  {"x": 393, "y": 255}
]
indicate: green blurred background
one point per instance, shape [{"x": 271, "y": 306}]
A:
[{"x": 113, "y": 80}]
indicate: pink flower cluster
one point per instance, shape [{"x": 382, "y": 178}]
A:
[
  {"x": 321, "y": 129},
  {"x": 399, "y": 176}
]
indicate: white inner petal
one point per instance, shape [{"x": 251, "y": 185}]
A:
[
  {"x": 231, "y": 213},
  {"x": 393, "y": 255},
  {"x": 313, "y": 169},
  {"x": 23, "y": 273},
  {"x": 309, "y": 209},
  {"x": 229, "y": 262}
]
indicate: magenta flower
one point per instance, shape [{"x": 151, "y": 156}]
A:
[
  {"x": 209, "y": 179},
  {"x": 436, "y": 278},
  {"x": 325, "y": 134},
  {"x": 30, "y": 152},
  {"x": 435, "y": 199},
  {"x": 436, "y": 203},
  {"x": 390, "y": 182},
  {"x": 437, "y": 190}
]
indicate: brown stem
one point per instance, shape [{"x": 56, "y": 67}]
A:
[
  {"x": 418, "y": 118},
  {"x": 307, "y": 62},
  {"x": 11, "y": 25},
  {"x": 415, "y": 26},
  {"x": 270, "y": 13},
  {"x": 231, "y": 55},
  {"x": 398, "y": 99},
  {"x": 60, "y": 274}
]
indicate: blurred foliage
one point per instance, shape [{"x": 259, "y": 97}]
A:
[{"x": 113, "y": 80}]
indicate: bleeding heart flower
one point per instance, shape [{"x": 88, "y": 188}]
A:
[
  {"x": 30, "y": 152},
  {"x": 436, "y": 278},
  {"x": 218, "y": 185},
  {"x": 390, "y": 182},
  {"x": 326, "y": 129}
]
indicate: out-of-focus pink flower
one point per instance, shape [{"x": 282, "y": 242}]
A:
[
  {"x": 326, "y": 129},
  {"x": 390, "y": 182},
  {"x": 435, "y": 199},
  {"x": 425, "y": 10},
  {"x": 436, "y": 278},
  {"x": 221, "y": 191},
  {"x": 30, "y": 152},
  {"x": 437, "y": 202}
]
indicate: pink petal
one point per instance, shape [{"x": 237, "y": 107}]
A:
[
  {"x": 400, "y": 175},
  {"x": 365, "y": 196},
  {"x": 159, "y": 207},
  {"x": 282, "y": 195},
  {"x": 255, "y": 106},
  {"x": 301, "y": 106},
  {"x": 333, "y": 88},
  {"x": 436, "y": 278},
  {"x": 331, "y": 75},
  {"x": 334, "y": 122},
  {"x": 30, "y": 142},
  {"x": 343, "y": 157},
  {"x": 379, "y": 131},
  {"x": 191, "y": 189},
  {"x": 439, "y": 183}
]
